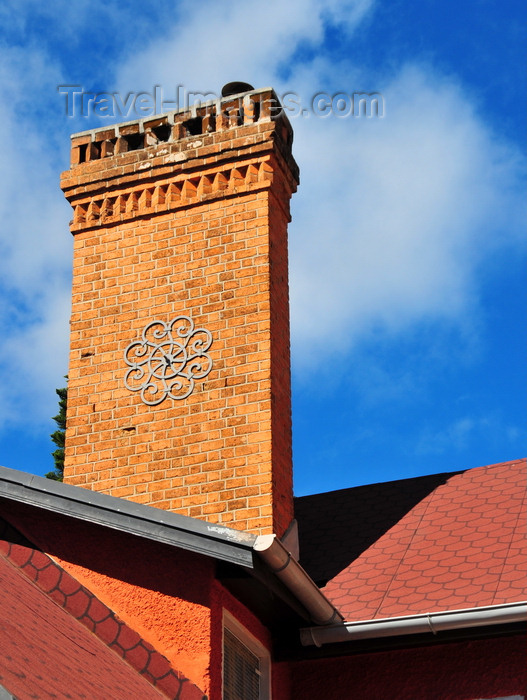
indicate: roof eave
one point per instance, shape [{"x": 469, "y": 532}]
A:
[{"x": 137, "y": 519}]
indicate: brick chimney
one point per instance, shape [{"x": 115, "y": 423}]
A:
[{"x": 179, "y": 376}]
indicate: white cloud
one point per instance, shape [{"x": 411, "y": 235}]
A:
[
  {"x": 395, "y": 215},
  {"x": 391, "y": 221},
  {"x": 35, "y": 251},
  {"x": 215, "y": 43},
  {"x": 456, "y": 436}
]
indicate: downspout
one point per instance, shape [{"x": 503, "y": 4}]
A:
[
  {"x": 285, "y": 567},
  {"x": 431, "y": 623}
]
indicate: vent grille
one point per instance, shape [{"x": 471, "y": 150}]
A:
[{"x": 241, "y": 670}]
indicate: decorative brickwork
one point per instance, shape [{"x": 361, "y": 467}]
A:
[
  {"x": 167, "y": 196},
  {"x": 185, "y": 214},
  {"x": 79, "y": 602}
]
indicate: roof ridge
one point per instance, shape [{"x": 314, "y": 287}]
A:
[
  {"x": 428, "y": 499},
  {"x": 521, "y": 512},
  {"x": 449, "y": 474}
]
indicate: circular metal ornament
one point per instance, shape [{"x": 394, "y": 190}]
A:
[{"x": 167, "y": 360}]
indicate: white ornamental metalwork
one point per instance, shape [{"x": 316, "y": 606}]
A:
[{"x": 167, "y": 360}]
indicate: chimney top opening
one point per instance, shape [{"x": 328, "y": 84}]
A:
[{"x": 193, "y": 126}]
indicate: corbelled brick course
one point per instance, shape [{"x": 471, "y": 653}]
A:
[{"x": 191, "y": 222}]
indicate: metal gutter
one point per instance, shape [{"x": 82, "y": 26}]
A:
[
  {"x": 5, "y": 694},
  {"x": 428, "y": 623},
  {"x": 280, "y": 561},
  {"x": 126, "y": 516}
]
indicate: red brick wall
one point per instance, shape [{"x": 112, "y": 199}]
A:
[{"x": 195, "y": 226}]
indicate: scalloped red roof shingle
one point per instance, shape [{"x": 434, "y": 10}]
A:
[
  {"x": 47, "y": 653},
  {"x": 463, "y": 545}
]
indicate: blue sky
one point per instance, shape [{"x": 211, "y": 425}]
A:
[{"x": 406, "y": 247}]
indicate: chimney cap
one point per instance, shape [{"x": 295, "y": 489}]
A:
[{"x": 235, "y": 88}]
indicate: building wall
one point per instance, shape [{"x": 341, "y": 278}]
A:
[
  {"x": 224, "y": 601},
  {"x": 490, "y": 668},
  {"x": 174, "y": 601},
  {"x": 58, "y": 638}
]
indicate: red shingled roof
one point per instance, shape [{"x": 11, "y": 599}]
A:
[
  {"x": 48, "y": 653},
  {"x": 336, "y": 527},
  {"x": 462, "y": 546}
]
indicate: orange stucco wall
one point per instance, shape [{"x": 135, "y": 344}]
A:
[
  {"x": 171, "y": 597},
  {"x": 163, "y": 593},
  {"x": 174, "y": 619}
]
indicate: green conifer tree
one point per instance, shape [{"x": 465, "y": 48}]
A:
[{"x": 59, "y": 436}]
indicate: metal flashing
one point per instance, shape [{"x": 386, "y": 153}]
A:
[
  {"x": 5, "y": 694},
  {"x": 137, "y": 519}
]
